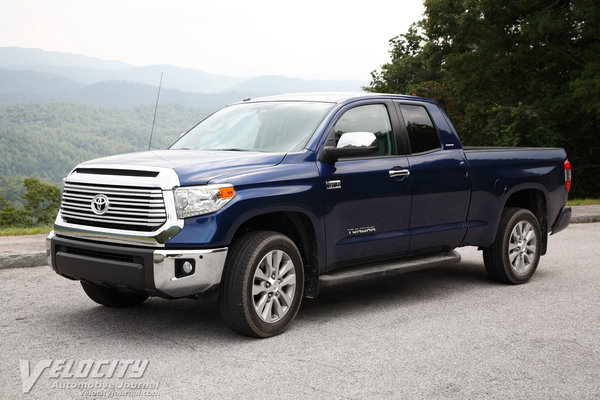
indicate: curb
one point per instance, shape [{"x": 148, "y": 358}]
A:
[
  {"x": 585, "y": 219},
  {"x": 23, "y": 260}
]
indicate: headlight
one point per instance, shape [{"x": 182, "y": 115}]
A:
[{"x": 199, "y": 200}]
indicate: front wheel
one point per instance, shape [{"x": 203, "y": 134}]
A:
[
  {"x": 515, "y": 254},
  {"x": 262, "y": 286}
]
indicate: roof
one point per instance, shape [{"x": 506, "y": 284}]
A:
[{"x": 331, "y": 97}]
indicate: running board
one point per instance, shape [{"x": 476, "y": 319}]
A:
[{"x": 388, "y": 268}]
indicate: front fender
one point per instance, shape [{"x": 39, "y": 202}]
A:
[{"x": 218, "y": 229}]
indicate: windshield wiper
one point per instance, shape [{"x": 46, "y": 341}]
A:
[{"x": 232, "y": 149}]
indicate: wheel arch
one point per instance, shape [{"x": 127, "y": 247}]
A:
[
  {"x": 300, "y": 228},
  {"x": 534, "y": 200}
]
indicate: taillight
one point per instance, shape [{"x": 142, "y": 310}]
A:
[{"x": 567, "y": 175}]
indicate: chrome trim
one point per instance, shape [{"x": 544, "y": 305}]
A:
[
  {"x": 398, "y": 173},
  {"x": 154, "y": 203},
  {"x": 49, "y": 249},
  {"x": 125, "y": 211},
  {"x": 159, "y": 237},
  {"x": 97, "y": 204},
  {"x": 154, "y": 192},
  {"x": 163, "y": 183},
  {"x": 129, "y": 221},
  {"x": 333, "y": 185},
  {"x": 207, "y": 272}
]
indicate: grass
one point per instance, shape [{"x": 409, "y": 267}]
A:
[
  {"x": 583, "y": 202},
  {"x": 16, "y": 231}
]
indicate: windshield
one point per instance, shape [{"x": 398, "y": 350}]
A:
[{"x": 266, "y": 127}]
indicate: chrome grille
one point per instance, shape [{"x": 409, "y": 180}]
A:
[{"x": 130, "y": 208}]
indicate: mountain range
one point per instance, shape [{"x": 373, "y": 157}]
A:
[
  {"x": 58, "y": 109},
  {"x": 34, "y": 75}
]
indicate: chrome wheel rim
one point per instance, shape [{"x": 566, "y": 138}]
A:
[
  {"x": 522, "y": 247},
  {"x": 274, "y": 286}
]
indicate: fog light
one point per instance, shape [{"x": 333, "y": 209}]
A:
[
  {"x": 187, "y": 267},
  {"x": 184, "y": 267}
]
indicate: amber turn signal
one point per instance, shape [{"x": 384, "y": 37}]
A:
[{"x": 226, "y": 192}]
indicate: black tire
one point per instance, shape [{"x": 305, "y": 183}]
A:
[
  {"x": 517, "y": 264},
  {"x": 111, "y": 297},
  {"x": 239, "y": 307}
]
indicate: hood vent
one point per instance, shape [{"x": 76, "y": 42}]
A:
[{"x": 107, "y": 171}]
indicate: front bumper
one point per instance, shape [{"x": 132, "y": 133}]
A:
[{"x": 156, "y": 272}]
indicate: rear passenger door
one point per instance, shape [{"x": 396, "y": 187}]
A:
[{"x": 440, "y": 185}]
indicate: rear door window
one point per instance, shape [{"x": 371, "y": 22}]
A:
[{"x": 421, "y": 133}]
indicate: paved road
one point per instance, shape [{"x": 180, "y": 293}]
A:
[{"x": 443, "y": 333}]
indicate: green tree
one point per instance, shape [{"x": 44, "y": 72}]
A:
[
  {"x": 517, "y": 73},
  {"x": 42, "y": 201},
  {"x": 11, "y": 216}
]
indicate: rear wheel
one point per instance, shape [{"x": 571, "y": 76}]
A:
[
  {"x": 262, "y": 285},
  {"x": 111, "y": 297},
  {"x": 515, "y": 254}
]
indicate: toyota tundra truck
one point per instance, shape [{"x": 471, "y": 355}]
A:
[{"x": 271, "y": 199}]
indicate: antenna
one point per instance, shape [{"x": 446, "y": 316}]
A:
[{"x": 155, "y": 108}]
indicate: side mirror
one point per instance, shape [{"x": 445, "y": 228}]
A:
[{"x": 352, "y": 144}]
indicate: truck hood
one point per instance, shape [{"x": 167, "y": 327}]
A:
[{"x": 194, "y": 167}]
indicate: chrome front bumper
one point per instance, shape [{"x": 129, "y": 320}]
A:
[
  {"x": 209, "y": 265},
  {"x": 153, "y": 271}
]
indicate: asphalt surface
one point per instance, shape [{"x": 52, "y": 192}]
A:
[{"x": 449, "y": 332}]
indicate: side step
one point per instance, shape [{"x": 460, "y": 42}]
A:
[{"x": 388, "y": 268}]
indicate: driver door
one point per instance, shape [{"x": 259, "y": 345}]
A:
[{"x": 366, "y": 199}]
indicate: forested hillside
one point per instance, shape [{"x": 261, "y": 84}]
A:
[{"x": 47, "y": 140}]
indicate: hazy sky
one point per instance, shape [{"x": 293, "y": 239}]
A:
[{"x": 308, "y": 39}]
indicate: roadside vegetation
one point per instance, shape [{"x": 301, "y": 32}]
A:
[
  {"x": 36, "y": 211},
  {"x": 36, "y": 230},
  {"x": 583, "y": 202}
]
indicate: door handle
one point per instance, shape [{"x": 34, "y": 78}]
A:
[
  {"x": 398, "y": 173},
  {"x": 463, "y": 168}
]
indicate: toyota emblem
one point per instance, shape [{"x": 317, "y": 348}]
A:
[{"x": 100, "y": 204}]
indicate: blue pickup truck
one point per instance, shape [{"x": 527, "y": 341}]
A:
[{"x": 270, "y": 199}]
